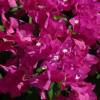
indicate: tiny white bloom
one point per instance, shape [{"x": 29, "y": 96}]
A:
[
  {"x": 38, "y": 44},
  {"x": 77, "y": 77},
  {"x": 31, "y": 52},
  {"x": 56, "y": 57},
  {"x": 64, "y": 50},
  {"x": 19, "y": 86},
  {"x": 65, "y": 0},
  {"x": 44, "y": 67},
  {"x": 76, "y": 21}
]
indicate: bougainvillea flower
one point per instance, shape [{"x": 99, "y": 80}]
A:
[{"x": 47, "y": 44}]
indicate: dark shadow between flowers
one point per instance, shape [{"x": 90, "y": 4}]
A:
[
  {"x": 4, "y": 56},
  {"x": 30, "y": 94},
  {"x": 93, "y": 79}
]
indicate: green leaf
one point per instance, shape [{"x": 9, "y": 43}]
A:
[
  {"x": 40, "y": 70},
  {"x": 70, "y": 27},
  {"x": 13, "y": 10},
  {"x": 51, "y": 94},
  {"x": 55, "y": 90},
  {"x": 57, "y": 17},
  {"x": 98, "y": 76},
  {"x": 1, "y": 76},
  {"x": 29, "y": 92},
  {"x": 30, "y": 20},
  {"x": 2, "y": 28}
]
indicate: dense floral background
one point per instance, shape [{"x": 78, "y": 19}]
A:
[{"x": 49, "y": 49}]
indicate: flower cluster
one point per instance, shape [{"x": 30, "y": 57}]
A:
[{"x": 47, "y": 44}]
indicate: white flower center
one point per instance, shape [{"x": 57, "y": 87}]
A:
[
  {"x": 76, "y": 21},
  {"x": 56, "y": 57},
  {"x": 77, "y": 77},
  {"x": 38, "y": 44},
  {"x": 19, "y": 86},
  {"x": 64, "y": 50}
]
